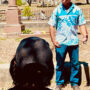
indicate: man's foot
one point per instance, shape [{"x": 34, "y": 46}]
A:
[
  {"x": 59, "y": 87},
  {"x": 76, "y": 87}
]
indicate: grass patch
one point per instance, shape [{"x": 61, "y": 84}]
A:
[
  {"x": 1, "y": 38},
  {"x": 27, "y": 31},
  {"x": 18, "y": 39}
]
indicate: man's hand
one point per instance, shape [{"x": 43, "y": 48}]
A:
[
  {"x": 85, "y": 39},
  {"x": 56, "y": 44},
  {"x": 84, "y": 32},
  {"x": 53, "y": 35}
]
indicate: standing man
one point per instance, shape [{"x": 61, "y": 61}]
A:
[{"x": 65, "y": 18}]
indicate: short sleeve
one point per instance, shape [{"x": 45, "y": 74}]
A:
[
  {"x": 81, "y": 19},
  {"x": 53, "y": 18}
]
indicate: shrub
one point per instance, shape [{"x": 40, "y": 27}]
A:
[
  {"x": 19, "y": 2},
  {"x": 27, "y": 11},
  {"x": 27, "y": 31},
  {"x": 24, "y": 3}
]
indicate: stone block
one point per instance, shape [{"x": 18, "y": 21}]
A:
[{"x": 13, "y": 28}]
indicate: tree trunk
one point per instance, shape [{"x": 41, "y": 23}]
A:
[
  {"x": 29, "y": 2},
  {"x": 5, "y": 2},
  {"x": 87, "y": 1},
  {"x": 43, "y": 4}
]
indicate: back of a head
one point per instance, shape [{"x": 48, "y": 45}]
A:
[{"x": 32, "y": 66}]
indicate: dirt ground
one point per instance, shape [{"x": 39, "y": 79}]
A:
[{"x": 8, "y": 47}]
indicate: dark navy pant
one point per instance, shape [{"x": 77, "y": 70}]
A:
[{"x": 60, "y": 57}]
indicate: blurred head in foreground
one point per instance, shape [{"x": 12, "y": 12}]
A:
[{"x": 32, "y": 66}]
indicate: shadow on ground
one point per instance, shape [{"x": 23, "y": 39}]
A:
[
  {"x": 82, "y": 3},
  {"x": 82, "y": 73}
]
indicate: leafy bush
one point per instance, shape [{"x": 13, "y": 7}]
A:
[
  {"x": 27, "y": 31},
  {"x": 19, "y": 2},
  {"x": 24, "y": 3},
  {"x": 27, "y": 11}
]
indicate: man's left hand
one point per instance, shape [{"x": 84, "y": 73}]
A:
[{"x": 85, "y": 39}]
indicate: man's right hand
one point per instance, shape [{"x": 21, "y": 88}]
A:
[
  {"x": 53, "y": 35},
  {"x": 56, "y": 44}
]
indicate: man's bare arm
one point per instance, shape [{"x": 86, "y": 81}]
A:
[
  {"x": 53, "y": 35},
  {"x": 84, "y": 32}
]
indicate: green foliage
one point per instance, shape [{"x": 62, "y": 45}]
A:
[
  {"x": 1, "y": 38},
  {"x": 27, "y": 31},
  {"x": 27, "y": 11},
  {"x": 18, "y": 39},
  {"x": 23, "y": 3},
  {"x": 19, "y": 2}
]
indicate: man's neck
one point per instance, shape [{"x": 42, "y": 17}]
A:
[{"x": 67, "y": 6}]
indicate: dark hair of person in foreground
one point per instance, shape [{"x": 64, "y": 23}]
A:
[{"x": 32, "y": 66}]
